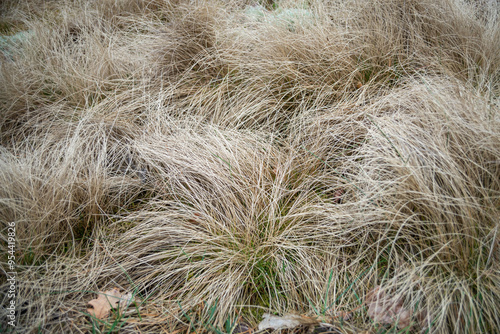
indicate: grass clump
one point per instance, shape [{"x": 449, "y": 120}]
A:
[{"x": 223, "y": 160}]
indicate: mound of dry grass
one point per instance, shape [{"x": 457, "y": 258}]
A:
[{"x": 222, "y": 160}]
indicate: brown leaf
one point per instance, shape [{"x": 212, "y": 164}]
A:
[
  {"x": 108, "y": 300},
  {"x": 387, "y": 310}
]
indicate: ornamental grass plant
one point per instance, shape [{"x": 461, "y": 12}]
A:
[{"x": 222, "y": 160}]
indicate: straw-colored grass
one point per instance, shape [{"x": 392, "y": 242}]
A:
[{"x": 225, "y": 159}]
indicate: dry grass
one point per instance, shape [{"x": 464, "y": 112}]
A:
[{"x": 222, "y": 160}]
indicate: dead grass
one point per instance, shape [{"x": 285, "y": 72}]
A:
[{"x": 222, "y": 160}]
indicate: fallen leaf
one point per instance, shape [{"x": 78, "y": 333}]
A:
[
  {"x": 387, "y": 310},
  {"x": 108, "y": 300},
  {"x": 289, "y": 321}
]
